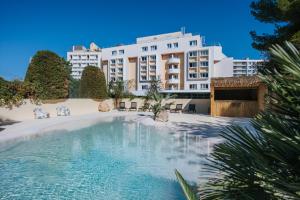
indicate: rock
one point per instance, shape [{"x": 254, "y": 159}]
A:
[
  {"x": 163, "y": 116},
  {"x": 103, "y": 107}
]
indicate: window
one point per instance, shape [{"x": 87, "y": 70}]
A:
[
  {"x": 193, "y": 64},
  {"x": 204, "y": 52},
  {"x": 204, "y": 63},
  {"x": 144, "y": 78},
  {"x": 193, "y": 53},
  {"x": 144, "y": 87},
  {"x": 173, "y": 77},
  {"x": 204, "y": 75},
  {"x": 144, "y": 68},
  {"x": 120, "y": 78},
  {"x": 173, "y": 66},
  {"x": 193, "y": 86},
  {"x": 113, "y": 62},
  {"x": 175, "y": 45},
  {"x": 113, "y": 79},
  {"x": 153, "y": 48},
  {"x": 193, "y": 43},
  {"x": 144, "y": 48},
  {"x": 120, "y": 61},
  {"x": 193, "y": 75},
  {"x": 144, "y": 58},
  {"x": 121, "y": 52},
  {"x": 113, "y": 70},
  {"x": 153, "y": 67},
  {"x": 203, "y": 86},
  {"x": 169, "y": 45},
  {"x": 120, "y": 69},
  {"x": 153, "y": 57},
  {"x": 114, "y": 53},
  {"x": 153, "y": 77}
]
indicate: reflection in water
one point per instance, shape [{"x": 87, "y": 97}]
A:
[{"x": 121, "y": 159}]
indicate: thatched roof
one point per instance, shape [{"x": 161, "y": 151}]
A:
[{"x": 236, "y": 82}]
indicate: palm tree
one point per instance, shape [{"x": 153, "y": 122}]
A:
[
  {"x": 263, "y": 162},
  {"x": 116, "y": 90}
]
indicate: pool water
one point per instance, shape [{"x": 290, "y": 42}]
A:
[{"x": 117, "y": 159}]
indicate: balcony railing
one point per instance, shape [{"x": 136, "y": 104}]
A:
[
  {"x": 174, "y": 60},
  {"x": 173, "y": 71},
  {"x": 173, "y": 81}
]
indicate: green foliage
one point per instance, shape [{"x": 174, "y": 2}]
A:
[
  {"x": 93, "y": 84},
  {"x": 157, "y": 107},
  {"x": 12, "y": 93},
  {"x": 263, "y": 162},
  {"x": 188, "y": 192},
  {"x": 74, "y": 88},
  {"x": 284, "y": 14},
  {"x": 155, "y": 87},
  {"x": 49, "y": 74},
  {"x": 118, "y": 91}
]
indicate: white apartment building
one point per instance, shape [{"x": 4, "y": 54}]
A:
[
  {"x": 178, "y": 59},
  {"x": 81, "y": 57},
  {"x": 246, "y": 67}
]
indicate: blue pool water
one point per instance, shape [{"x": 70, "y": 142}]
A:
[{"x": 109, "y": 160}]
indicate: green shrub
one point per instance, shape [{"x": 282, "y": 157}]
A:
[
  {"x": 93, "y": 84},
  {"x": 12, "y": 93}
]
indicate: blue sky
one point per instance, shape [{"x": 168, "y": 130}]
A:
[{"x": 27, "y": 26}]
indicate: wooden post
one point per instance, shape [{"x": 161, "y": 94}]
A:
[{"x": 261, "y": 92}]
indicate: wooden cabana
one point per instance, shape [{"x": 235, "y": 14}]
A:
[{"x": 237, "y": 96}]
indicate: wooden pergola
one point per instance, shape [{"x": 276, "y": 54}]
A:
[{"x": 232, "y": 107}]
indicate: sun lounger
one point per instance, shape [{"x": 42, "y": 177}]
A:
[
  {"x": 167, "y": 106},
  {"x": 63, "y": 111},
  {"x": 122, "y": 106},
  {"x": 178, "y": 108},
  {"x": 192, "y": 108},
  {"x": 40, "y": 114},
  {"x": 133, "y": 106}
]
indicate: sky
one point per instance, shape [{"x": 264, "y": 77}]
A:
[{"x": 27, "y": 26}]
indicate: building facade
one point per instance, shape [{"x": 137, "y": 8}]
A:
[
  {"x": 179, "y": 60},
  {"x": 81, "y": 57}
]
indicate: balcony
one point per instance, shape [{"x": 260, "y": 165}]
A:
[
  {"x": 173, "y": 71},
  {"x": 172, "y": 88},
  {"x": 174, "y": 60},
  {"x": 173, "y": 81}
]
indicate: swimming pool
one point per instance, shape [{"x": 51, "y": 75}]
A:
[{"x": 116, "y": 159}]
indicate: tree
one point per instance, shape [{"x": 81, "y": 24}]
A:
[
  {"x": 50, "y": 74},
  {"x": 157, "y": 107},
  {"x": 92, "y": 83},
  {"x": 263, "y": 162},
  {"x": 284, "y": 14},
  {"x": 116, "y": 91},
  {"x": 74, "y": 88}
]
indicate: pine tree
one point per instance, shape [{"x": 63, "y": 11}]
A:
[{"x": 284, "y": 15}]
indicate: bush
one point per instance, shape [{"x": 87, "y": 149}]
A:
[
  {"x": 50, "y": 74},
  {"x": 92, "y": 84},
  {"x": 74, "y": 88},
  {"x": 12, "y": 93}
]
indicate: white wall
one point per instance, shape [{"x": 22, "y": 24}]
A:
[{"x": 224, "y": 68}]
